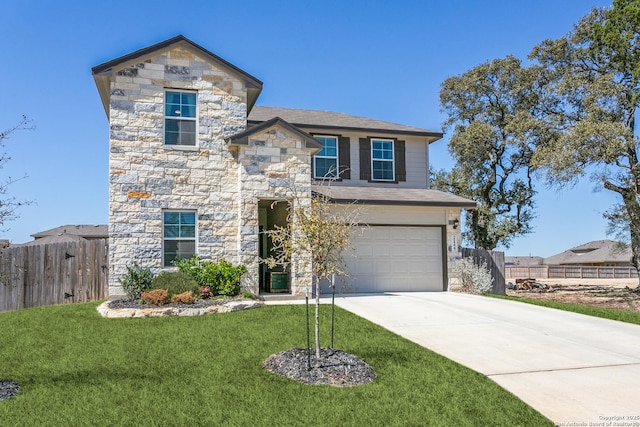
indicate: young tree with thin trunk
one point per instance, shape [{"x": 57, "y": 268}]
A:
[
  {"x": 8, "y": 204},
  {"x": 321, "y": 231}
]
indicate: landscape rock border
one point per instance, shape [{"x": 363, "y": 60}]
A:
[
  {"x": 8, "y": 389},
  {"x": 120, "y": 310},
  {"x": 334, "y": 367}
]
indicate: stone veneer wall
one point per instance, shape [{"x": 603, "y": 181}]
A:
[
  {"x": 454, "y": 239},
  {"x": 146, "y": 177},
  {"x": 274, "y": 165}
]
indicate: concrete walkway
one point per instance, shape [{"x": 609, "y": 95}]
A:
[{"x": 570, "y": 367}]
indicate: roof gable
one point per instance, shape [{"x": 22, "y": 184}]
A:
[
  {"x": 82, "y": 230},
  {"x": 102, "y": 73},
  {"x": 598, "y": 251},
  {"x": 242, "y": 138}
]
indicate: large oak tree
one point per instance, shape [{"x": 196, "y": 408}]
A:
[
  {"x": 492, "y": 111},
  {"x": 590, "y": 94}
]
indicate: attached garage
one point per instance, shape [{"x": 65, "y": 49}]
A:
[
  {"x": 396, "y": 258},
  {"x": 406, "y": 244}
]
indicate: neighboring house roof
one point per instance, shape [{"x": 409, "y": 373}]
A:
[
  {"x": 60, "y": 238},
  {"x": 316, "y": 119},
  {"x": 523, "y": 261},
  {"x": 596, "y": 252},
  {"x": 393, "y": 196},
  {"x": 82, "y": 230},
  {"x": 243, "y": 137},
  {"x": 102, "y": 72}
]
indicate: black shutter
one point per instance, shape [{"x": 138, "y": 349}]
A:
[
  {"x": 344, "y": 157},
  {"x": 365, "y": 159},
  {"x": 401, "y": 162}
]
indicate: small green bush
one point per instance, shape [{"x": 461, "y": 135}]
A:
[
  {"x": 176, "y": 282},
  {"x": 135, "y": 281},
  {"x": 222, "y": 278}
]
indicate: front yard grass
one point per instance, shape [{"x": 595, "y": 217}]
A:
[
  {"x": 75, "y": 368},
  {"x": 605, "y": 313}
]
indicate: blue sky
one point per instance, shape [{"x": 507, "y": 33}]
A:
[{"x": 378, "y": 59}]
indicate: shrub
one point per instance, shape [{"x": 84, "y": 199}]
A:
[
  {"x": 135, "y": 281},
  {"x": 184, "y": 298},
  {"x": 205, "y": 292},
  {"x": 473, "y": 278},
  {"x": 222, "y": 278},
  {"x": 155, "y": 297},
  {"x": 176, "y": 282}
]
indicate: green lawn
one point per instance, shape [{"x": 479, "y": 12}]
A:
[
  {"x": 605, "y": 313},
  {"x": 76, "y": 368}
]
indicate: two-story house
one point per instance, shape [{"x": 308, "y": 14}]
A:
[{"x": 197, "y": 168}]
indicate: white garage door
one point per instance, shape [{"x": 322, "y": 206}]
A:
[{"x": 394, "y": 258}]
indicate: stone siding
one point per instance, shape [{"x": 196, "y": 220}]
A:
[
  {"x": 147, "y": 177},
  {"x": 274, "y": 165}
]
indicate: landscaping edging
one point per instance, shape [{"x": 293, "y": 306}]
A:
[{"x": 162, "y": 311}]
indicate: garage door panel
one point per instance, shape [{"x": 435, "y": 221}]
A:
[{"x": 394, "y": 258}]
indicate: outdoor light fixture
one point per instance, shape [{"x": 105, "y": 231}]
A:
[{"x": 455, "y": 223}]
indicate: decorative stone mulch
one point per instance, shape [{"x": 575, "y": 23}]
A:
[
  {"x": 334, "y": 367},
  {"x": 8, "y": 389},
  {"x": 120, "y": 309}
]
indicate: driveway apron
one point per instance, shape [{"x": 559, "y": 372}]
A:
[{"x": 572, "y": 368}]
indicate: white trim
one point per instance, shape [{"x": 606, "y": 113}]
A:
[
  {"x": 392, "y": 161},
  {"x": 336, "y": 157},
  {"x": 193, "y": 119}
]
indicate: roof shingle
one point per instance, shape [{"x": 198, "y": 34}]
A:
[{"x": 317, "y": 119}]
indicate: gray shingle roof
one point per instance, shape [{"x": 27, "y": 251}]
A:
[
  {"x": 82, "y": 230},
  {"x": 393, "y": 196},
  {"x": 60, "y": 238},
  {"x": 317, "y": 119},
  {"x": 596, "y": 252}
]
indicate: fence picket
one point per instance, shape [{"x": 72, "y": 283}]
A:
[
  {"x": 495, "y": 263},
  {"x": 570, "y": 272},
  {"x": 36, "y": 275}
]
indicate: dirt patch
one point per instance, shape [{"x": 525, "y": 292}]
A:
[{"x": 606, "y": 293}]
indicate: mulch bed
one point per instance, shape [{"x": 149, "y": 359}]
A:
[
  {"x": 334, "y": 367},
  {"x": 8, "y": 389}
]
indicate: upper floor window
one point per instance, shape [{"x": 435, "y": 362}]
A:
[
  {"x": 180, "y": 118},
  {"x": 179, "y": 236},
  {"x": 325, "y": 162},
  {"x": 382, "y": 160}
]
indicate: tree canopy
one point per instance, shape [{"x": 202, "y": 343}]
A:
[
  {"x": 491, "y": 109},
  {"x": 590, "y": 94}
]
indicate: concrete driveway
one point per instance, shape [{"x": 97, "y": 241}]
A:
[{"x": 570, "y": 367}]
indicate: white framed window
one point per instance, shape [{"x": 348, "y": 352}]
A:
[
  {"x": 178, "y": 236},
  {"x": 180, "y": 127},
  {"x": 325, "y": 161},
  {"x": 382, "y": 160}
]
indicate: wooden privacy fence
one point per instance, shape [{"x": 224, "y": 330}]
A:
[
  {"x": 570, "y": 272},
  {"x": 54, "y": 273},
  {"x": 495, "y": 263}
]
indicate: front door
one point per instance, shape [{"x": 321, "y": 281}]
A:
[{"x": 271, "y": 213}]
